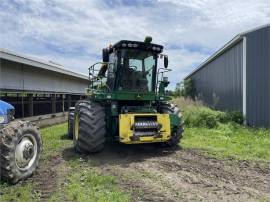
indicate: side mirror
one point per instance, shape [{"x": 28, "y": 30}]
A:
[
  {"x": 105, "y": 55},
  {"x": 166, "y": 61}
]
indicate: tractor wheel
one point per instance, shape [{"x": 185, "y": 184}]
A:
[
  {"x": 89, "y": 127},
  {"x": 70, "y": 122},
  {"x": 177, "y": 132},
  {"x": 20, "y": 149}
]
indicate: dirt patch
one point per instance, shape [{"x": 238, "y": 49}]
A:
[
  {"x": 150, "y": 173},
  {"x": 49, "y": 177}
]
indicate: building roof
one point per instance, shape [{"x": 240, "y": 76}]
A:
[
  {"x": 227, "y": 46},
  {"x": 48, "y": 65}
]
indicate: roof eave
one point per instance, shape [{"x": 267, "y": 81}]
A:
[
  {"x": 8, "y": 55},
  {"x": 227, "y": 46}
]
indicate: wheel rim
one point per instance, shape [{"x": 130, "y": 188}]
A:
[
  {"x": 26, "y": 152},
  {"x": 76, "y": 127}
]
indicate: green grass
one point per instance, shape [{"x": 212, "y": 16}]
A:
[
  {"x": 88, "y": 185},
  {"x": 85, "y": 183},
  {"x": 17, "y": 192},
  {"x": 230, "y": 141},
  {"x": 81, "y": 183},
  {"x": 222, "y": 139},
  {"x": 54, "y": 139}
]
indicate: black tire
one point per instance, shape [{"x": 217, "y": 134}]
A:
[
  {"x": 12, "y": 137},
  {"x": 70, "y": 122},
  {"x": 177, "y": 132},
  {"x": 89, "y": 127}
]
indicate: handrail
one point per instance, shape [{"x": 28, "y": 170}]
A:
[{"x": 93, "y": 77}]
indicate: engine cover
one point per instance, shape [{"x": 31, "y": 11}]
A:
[{"x": 144, "y": 128}]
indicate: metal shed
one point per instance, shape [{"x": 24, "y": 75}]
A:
[
  {"x": 237, "y": 77},
  {"x": 37, "y": 87}
]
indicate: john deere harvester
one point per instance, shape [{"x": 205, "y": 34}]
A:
[{"x": 126, "y": 100}]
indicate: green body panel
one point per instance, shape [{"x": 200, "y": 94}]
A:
[
  {"x": 99, "y": 95},
  {"x": 175, "y": 120},
  {"x": 112, "y": 111},
  {"x": 110, "y": 101},
  {"x": 125, "y": 95}
]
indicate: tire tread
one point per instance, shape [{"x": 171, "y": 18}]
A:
[
  {"x": 91, "y": 127},
  {"x": 169, "y": 108}
]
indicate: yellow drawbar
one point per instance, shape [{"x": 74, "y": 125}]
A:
[{"x": 130, "y": 135}]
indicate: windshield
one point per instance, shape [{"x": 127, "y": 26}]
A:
[{"x": 137, "y": 72}]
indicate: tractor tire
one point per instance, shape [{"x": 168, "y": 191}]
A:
[
  {"x": 89, "y": 127},
  {"x": 20, "y": 150},
  {"x": 70, "y": 122},
  {"x": 177, "y": 132}
]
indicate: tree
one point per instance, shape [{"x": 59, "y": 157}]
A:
[
  {"x": 177, "y": 91},
  {"x": 186, "y": 88}
]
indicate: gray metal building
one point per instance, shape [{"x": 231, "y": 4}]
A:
[
  {"x": 237, "y": 77},
  {"x": 37, "y": 87}
]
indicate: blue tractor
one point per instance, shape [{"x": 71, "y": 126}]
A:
[{"x": 20, "y": 146}]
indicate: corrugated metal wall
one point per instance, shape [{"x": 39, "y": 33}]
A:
[
  {"x": 258, "y": 76},
  {"x": 219, "y": 83}
]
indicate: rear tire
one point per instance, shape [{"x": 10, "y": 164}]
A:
[
  {"x": 177, "y": 132},
  {"x": 70, "y": 122},
  {"x": 89, "y": 127},
  {"x": 20, "y": 149}
]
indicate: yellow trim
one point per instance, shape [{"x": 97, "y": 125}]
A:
[
  {"x": 76, "y": 126},
  {"x": 126, "y": 132}
]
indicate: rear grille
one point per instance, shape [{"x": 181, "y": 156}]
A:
[{"x": 146, "y": 126}]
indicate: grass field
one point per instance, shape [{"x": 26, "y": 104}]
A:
[
  {"x": 74, "y": 179},
  {"x": 224, "y": 139},
  {"x": 230, "y": 141},
  {"x": 78, "y": 182}
]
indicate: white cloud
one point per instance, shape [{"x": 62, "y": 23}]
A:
[
  {"x": 182, "y": 62},
  {"x": 74, "y": 32}
]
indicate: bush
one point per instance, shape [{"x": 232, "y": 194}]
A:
[
  {"x": 234, "y": 116},
  {"x": 195, "y": 114},
  {"x": 208, "y": 118},
  {"x": 201, "y": 117}
]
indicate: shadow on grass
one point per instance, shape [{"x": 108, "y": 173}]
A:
[
  {"x": 65, "y": 137},
  {"x": 121, "y": 154},
  {"x": 4, "y": 183}
]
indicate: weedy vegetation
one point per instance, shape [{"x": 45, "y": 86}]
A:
[{"x": 222, "y": 133}]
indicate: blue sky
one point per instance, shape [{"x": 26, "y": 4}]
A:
[{"x": 73, "y": 32}]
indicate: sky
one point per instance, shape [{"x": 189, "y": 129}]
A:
[{"x": 73, "y": 32}]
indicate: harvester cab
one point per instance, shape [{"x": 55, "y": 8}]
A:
[
  {"x": 130, "y": 66},
  {"x": 127, "y": 99}
]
